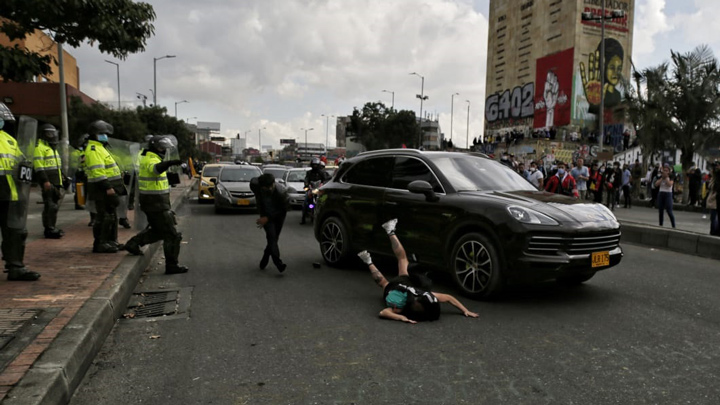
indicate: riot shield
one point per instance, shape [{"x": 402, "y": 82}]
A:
[
  {"x": 174, "y": 173},
  {"x": 126, "y": 155},
  {"x": 25, "y": 136}
]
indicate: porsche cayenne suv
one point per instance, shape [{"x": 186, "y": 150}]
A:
[{"x": 465, "y": 214}]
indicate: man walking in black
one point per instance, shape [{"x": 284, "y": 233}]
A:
[{"x": 272, "y": 203}]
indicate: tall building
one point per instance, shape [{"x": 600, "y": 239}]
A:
[{"x": 543, "y": 67}]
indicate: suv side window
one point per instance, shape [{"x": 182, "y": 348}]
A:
[
  {"x": 409, "y": 169},
  {"x": 370, "y": 172}
]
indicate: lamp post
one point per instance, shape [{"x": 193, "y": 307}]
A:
[
  {"x": 179, "y": 102},
  {"x": 260, "y": 140},
  {"x": 155, "y": 75},
  {"x": 306, "y": 131},
  {"x": 117, "y": 65},
  {"x": 142, "y": 97},
  {"x": 245, "y": 135},
  {"x": 327, "y": 126},
  {"x": 588, "y": 16},
  {"x": 393, "y": 98},
  {"x": 422, "y": 98},
  {"x": 452, "y": 105},
  {"x": 467, "y": 135}
]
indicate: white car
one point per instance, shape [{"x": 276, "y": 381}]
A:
[{"x": 295, "y": 182}]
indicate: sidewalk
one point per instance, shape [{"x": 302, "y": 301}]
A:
[{"x": 50, "y": 329}]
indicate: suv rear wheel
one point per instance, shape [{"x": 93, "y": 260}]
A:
[
  {"x": 475, "y": 266},
  {"x": 334, "y": 241}
]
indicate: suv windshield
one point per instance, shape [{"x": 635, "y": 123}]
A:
[
  {"x": 211, "y": 171},
  {"x": 296, "y": 176},
  {"x": 473, "y": 173},
  {"x": 238, "y": 175}
]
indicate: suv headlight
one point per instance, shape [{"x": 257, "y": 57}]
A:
[{"x": 528, "y": 216}]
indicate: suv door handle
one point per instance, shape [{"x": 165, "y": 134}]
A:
[
  {"x": 391, "y": 202},
  {"x": 345, "y": 197}
]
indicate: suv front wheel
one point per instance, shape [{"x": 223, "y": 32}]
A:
[
  {"x": 334, "y": 241},
  {"x": 475, "y": 266}
]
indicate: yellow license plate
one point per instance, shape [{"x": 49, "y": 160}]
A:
[
  {"x": 243, "y": 202},
  {"x": 600, "y": 259}
]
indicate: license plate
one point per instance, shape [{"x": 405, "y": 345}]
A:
[
  {"x": 600, "y": 259},
  {"x": 243, "y": 202}
]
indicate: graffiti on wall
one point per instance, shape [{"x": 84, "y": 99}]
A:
[
  {"x": 554, "y": 79},
  {"x": 511, "y": 105}
]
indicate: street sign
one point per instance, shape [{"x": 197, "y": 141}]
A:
[{"x": 287, "y": 142}]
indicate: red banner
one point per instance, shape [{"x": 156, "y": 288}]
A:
[{"x": 553, "y": 88}]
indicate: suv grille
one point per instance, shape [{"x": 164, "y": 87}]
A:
[{"x": 549, "y": 245}]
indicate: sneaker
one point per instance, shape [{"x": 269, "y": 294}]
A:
[
  {"x": 176, "y": 269},
  {"x": 389, "y": 226},
  {"x": 365, "y": 257}
]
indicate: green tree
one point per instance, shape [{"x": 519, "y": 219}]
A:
[
  {"x": 378, "y": 127},
  {"x": 119, "y": 27}
]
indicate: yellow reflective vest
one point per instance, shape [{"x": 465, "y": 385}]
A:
[
  {"x": 101, "y": 169},
  {"x": 46, "y": 164},
  {"x": 10, "y": 154},
  {"x": 154, "y": 187}
]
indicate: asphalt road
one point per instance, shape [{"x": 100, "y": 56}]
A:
[{"x": 643, "y": 332}]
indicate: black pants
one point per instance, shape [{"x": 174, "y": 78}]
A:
[
  {"x": 627, "y": 195},
  {"x": 13, "y": 240},
  {"x": 272, "y": 234},
  {"x": 161, "y": 226},
  {"x": 51, "y": 206},
  {"x": 106, "y": 221}
]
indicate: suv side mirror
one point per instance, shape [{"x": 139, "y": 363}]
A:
[{"x": 423, "y": 187}]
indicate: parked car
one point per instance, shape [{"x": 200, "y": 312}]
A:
[
  {"x": 233, "y": 187},
  {"x": 206, "y": 189},
  {"x": 295, "y": 182},
  {"x": 276, "y": 170},
  {"x": 465, "y": 214}
]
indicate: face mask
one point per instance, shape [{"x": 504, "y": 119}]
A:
[
  {"x": 102, "y": 138},
  {"x": 533, "y": 169},
  {"x": 2, "y": 123},
  {"x": 561, "y": 172}
]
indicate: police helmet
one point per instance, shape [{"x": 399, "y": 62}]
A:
[
  {"x": 148, "y": 138},
  {"x": 49, "y": 134},
  {"x": 82, "y": 141},
  {"x": 159, "y": 143},
  {"x": 99, "y": 127},
  {"x": 315, "y": 163}
]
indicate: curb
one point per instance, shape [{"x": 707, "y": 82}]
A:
[
  {"x": 671, "y": 239},
  {"x": 57, "y": 373}
]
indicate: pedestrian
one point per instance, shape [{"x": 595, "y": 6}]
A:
[
  {"x": 12, "y": 225},
  {"x": 48, "y": 175},
  {"x": 154, "y": 190},
  {"x": 654, "y": 177},
  {"x": 272, "y": 200},
  {"x": 581, "y": 174},
  {"x": 562, "y": 182},
  {"x": 105, "y": 187},
  {"x": 595, "y": 183},
  {"x": 711, "y": 204},
  {"x": 505, "y": 160},
  {"x": 665, "y": 194},
  {"x": 636, "y": 170},
  {"x": 535, "y": 176},
  {"x": 404, "y": 301},
  {"x": 694, "y": 184},
  {"x": 626, "y": 185},
  {"x": 521, "y": 171},
  {"x": 612, "y": 179}
]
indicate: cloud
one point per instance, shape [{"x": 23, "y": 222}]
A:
[
  {"x": 700, "y": 26},
  {"x": 650, "y": 21},
  {"x": 282, "y": 63}
]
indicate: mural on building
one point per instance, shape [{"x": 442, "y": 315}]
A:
[{"x": 554, "y": 84}]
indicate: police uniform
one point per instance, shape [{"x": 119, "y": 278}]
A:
[
  {"x": 103, "y": 174},
  {"x": 13, "y": 239},
  {"x": 154, "y": 190},
  {"x": 46, "y": 166}
]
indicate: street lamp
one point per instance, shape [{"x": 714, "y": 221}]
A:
[
  {"x": 422, "y": 98},
  {"x": 306, "y": 131},
  {"x": 142, "y": 97},
  {"x": 452, "y": 104},
  {"x": 327, "y": 126},
  {"x": 245, "y": 134},
  {"x": 155, "y": 75},
  {"x": 588, "y": 16},
  {"x": 117, "y": 65},
  {"x": 467, "y": 135},
  {"x": 260, "y": 140},
  {"x": 179, "y": 102},
  {"x": 393, "y": 98}
]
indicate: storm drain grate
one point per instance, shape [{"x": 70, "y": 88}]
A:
[{"x": 154, "y": 304}]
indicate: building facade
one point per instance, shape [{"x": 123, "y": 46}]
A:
[{"x": 543, "y": 65}]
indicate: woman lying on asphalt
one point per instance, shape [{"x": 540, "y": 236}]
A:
[{"x": 405, "y": 302}]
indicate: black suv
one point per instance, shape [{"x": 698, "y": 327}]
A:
[{"x": 465, "y": 214}]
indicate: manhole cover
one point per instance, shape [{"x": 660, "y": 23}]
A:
[{"x": 155, "y": 304}]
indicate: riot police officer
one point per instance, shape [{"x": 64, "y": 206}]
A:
[
  {"x": 154, "y": 190},
  {"x": 47, "y": 173},
  {"x": 316, "y": 173},
  {"x": 13, "y": 234},
  {"x": 105, "y": 187}
]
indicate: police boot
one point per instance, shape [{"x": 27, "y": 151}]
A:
[
  {"x": 104, "y": 247},
  {"x": 92, "y": 219},
  {"x": 133, "y": 247},
  {"x": 22, "y": 274},
  {"x": 125, "y": 223},
  {"x": 53, "y": 233},
  {"x": 171, "y": 248},
  {"x": 175, "y": 269}
]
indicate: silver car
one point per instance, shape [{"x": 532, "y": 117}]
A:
[
  {"x": 295, "y": 182},
  {"x": 232, "y": 187}
]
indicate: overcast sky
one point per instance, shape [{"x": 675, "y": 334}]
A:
[{"x": 280, "y": 64}]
